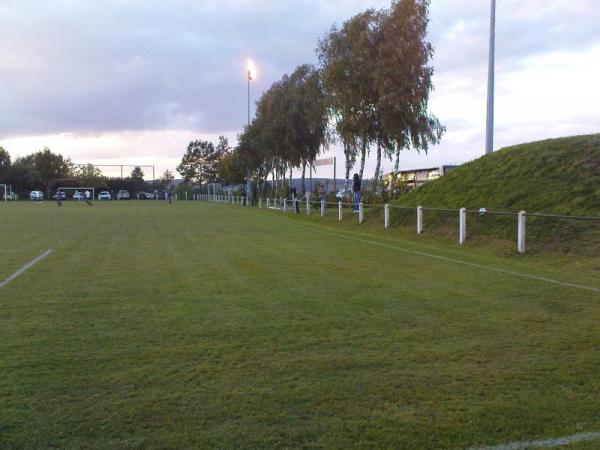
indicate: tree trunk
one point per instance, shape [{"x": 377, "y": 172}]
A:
[
  {"x": 395, "y": 174},
  {"x": 377, "y": 176},
  {"x": 363, "y": 157},
  {"x": 348, "y": 156},
  {"x": 303, "y": 178},
  {"x": 291, "y": 177},
  {"x": 310, "y": 185}
]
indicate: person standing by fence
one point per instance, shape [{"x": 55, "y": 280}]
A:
[
  {"x": 356, "y": 192},
  {"x": 323, "y": 191},
  {"x": 294, "y": 197}
]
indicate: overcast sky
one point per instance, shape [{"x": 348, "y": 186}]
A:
[{"x": 133, "y": 81}]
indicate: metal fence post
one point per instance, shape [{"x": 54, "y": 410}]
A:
[
  {"x": 322, "y": 208},
  {"x": 340, "y": 211},
  {"x": 522, "y": 218},
  {"x": 307, "y": 207},
  {"x": 462, "y": 219},
  {"x": 386, "y": 216},
  {"x": 259, "y": 202},
  {"x": 284, "y": 205},
  {"x": 419, "y": 219},
  {"x": 360, "y": 213}
]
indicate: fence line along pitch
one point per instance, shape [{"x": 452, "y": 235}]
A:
[{"x": 462, "y": 213}]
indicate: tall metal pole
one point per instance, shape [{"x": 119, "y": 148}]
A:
[
  {"x": 489, "y": 133},
  {"x": 247, "y": 168},
  {"x": 249, "y": 78}
]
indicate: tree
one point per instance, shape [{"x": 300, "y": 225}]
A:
[
  {"x": 404, "y": 78},
  {"x": 137, "y": 177},
  {"x": 166, "y": 178},
  {"x": 290, "y": 127},
  {"x": 223, "y": 147},
  {"x": 4, "y": 165},
  {"x": 137, "y": 173},
  {"x": 348, "y": 57},
  {"x": 199, "y": 163},
  {"x": 47, "y": 168},
  {"x": 232, "y": 169},
  {"x": 89, "y": 175}
]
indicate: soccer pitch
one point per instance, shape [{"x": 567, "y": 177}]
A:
[{"x": 198, "y": 325}]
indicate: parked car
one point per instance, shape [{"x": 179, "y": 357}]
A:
[
  {"x": 343, "y": 194},
  {"x": 142, "y": 195},
  {"x": 63, "y": 195},
  {"x": 160, "y": 195},
  {"x": 123, "y": 195},
  {"x": 78, "y": 196},
  {"x": 104, "y": 195},
  {"x": 36, "y": 195}
]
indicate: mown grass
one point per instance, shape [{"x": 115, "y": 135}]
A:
[
  {"x": 196, "y": 325},
  {"x": 555, "y": 176}
]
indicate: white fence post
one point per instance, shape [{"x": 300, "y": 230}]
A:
[
  {"x": 419, "y": 219},
  {"x": 307, "y": 207},
  {"x": 340, "y": 216},
  {"x": 284, "y": 205},
  {"x": 322, "y": 208},
  {"x": 462, "y": 234},
  {"x": 268, "y": 202},
  {"x": 386, "y": 216},
  {"x": 522, "y": 218},
  {"x": 360, "y": 213}
]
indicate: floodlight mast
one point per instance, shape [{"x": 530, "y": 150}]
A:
[
  {"x": 489, "y": 133},
  {"x": 251, "y": 75}
]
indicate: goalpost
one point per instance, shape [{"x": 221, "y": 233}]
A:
[
  {"x": 77, "y": 189},
  {"x": 7, "y": 191}
]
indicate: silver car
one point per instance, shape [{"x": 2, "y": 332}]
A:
[{"x": 36, "y": 195}]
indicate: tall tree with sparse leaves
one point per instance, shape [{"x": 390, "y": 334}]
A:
[{"x": 404, "y": 79}]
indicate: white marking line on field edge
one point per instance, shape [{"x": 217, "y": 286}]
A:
[
  {"x": 27, "y": 266},
  {"x": 457, "y": 261},
  {"x": 546, "y": 443}
]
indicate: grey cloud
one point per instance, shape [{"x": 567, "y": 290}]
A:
[{"x": 134, "y": 65}]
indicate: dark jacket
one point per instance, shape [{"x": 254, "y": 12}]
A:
[{"x": 356, "y": 185}]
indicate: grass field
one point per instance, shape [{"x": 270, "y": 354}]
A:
[{"x": 198, "y": 325}]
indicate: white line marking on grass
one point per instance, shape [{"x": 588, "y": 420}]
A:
[
  {"x": 453, "y": 260},
  {"x": 546, "y": 443},
  {"x": 27, "y": 266}
]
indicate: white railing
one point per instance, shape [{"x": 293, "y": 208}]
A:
[{"x": 286, "y": 204}]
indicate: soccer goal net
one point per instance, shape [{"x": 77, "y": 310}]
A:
[{"x": 75, "y": 193}]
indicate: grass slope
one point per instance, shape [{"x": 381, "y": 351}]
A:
[
  {"x": 554, "y": 176},
  {"x": 196, "y": 325}
]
